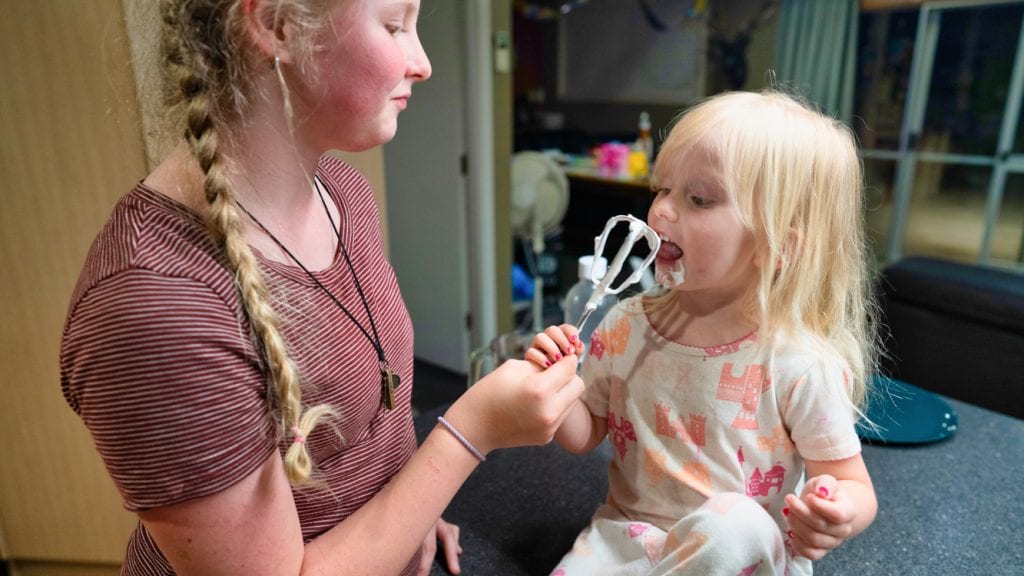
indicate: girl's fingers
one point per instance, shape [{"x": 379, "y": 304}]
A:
[
  {"x": 427, "y": 553},
  {"x": 573, "y": 335},
  {"x": 577, "y": 344},
  {"x": 830, "y": 511},
  {"x": 810, "y": 530},
  {"x": 537, "y": 357},
  {"x": 823, "y": 486},
  {"x": 796, "y": 508},
  {"x": 547, "y": 347},
  {"x": 797, "y": 511},
  {"x": 810, "y": 543},
  {"x": 805, "y": 550},
  {"x": 822, "y": 496},
  {"x": 449, "y": 535},
  {"x": 555, "y": 343},
  {"x": 561, "y": 340}
]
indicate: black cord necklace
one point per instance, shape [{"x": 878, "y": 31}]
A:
[{"x": 388, "y": 379}]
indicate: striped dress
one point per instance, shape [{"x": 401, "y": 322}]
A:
[{"x": 158, "y": 361}]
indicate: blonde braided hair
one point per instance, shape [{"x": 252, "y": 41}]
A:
[{"x": 209, "y": 71}]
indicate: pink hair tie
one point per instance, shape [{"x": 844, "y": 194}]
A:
[{"x": 297, "y": 433}]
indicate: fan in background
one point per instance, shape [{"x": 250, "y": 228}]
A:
[{"x": 540, "y": 197}]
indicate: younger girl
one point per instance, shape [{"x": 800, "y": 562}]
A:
[{"x": 747, "y": 370}]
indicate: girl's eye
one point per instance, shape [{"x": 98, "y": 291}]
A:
[
  {"x": 659, "y": 191},
  {"x": 393, "y": 29},
  {"x": 700, "y": 201}
]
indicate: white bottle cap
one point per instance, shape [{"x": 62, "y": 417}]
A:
[{"x": 587, "y": 264}]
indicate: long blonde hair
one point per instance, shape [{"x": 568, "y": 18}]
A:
[
  {"x": 795, "y": 177},
  {"x": 209, "y": 79}
]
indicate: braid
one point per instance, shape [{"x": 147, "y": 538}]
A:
[{"x": 196, "y": 92}]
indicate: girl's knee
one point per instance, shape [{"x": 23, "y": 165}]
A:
[
  {"x": 731, "y": 519},
  {"x": 729, "y": 532}
]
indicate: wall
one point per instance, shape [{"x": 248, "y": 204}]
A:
[
  {"x": 612, "y": 119},
  {"x": 70, "y": 144},
  {"x": 501, "y": 21},
  {"x": 72, "y": 141}
]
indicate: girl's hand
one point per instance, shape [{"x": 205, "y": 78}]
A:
[
  {"x": 448, "y": 534},
  {"x": 553, "y": 344},
  {"x": 821, "y": 518},
  {"x": 517, "y": 404}
]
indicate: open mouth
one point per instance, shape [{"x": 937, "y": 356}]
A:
[
  {"x": 669, "y": 271},
  {"x": 669, "y": 250}
]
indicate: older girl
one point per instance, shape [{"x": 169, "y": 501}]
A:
[{"x": 237, "y": 343}]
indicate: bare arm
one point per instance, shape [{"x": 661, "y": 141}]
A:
[
  {"x": 252, "y": 527},
  {"x": 581, "y": 431},
  {"x": 838, "y": 502}
]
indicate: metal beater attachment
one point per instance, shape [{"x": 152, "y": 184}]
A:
[{"x": 637, "y": 229}]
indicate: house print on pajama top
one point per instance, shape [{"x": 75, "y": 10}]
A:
[
  {"x": 746, "y": 389},
  {"x": 688, "y": 423}
]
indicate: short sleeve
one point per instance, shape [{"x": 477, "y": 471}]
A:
[
  {"x": 165, "y": 378},
  {"x": 819, "y": 414}
]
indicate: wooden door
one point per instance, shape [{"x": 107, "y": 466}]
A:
[
  {"x": 79, "y": 126},
  {"x": 70, "y": 145}
]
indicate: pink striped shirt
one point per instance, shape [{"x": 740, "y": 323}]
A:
[{"x": 158, "y": 361}]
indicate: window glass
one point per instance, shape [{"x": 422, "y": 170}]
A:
[
  {"x": 879, "y": 176},
  {"x": 974, "y": 58},
  {"x": 884, "y": 57},
  {"x": 1008, "y": 236},
  {"x": 946, "y": 217}
]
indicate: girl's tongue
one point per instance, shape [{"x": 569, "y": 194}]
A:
[{"x": 669, "y": 251}]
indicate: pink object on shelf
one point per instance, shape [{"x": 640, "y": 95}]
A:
[{"x": 613, "y": 159}]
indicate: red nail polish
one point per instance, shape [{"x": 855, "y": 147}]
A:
[
  {"x": 558, "y": 356},
  {"x": 823, "y": 491},
  {"x": 785, "y": 511},
  {"x": 547, "y": 363}
]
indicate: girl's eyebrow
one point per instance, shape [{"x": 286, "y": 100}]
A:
[{"x": 409, "y": 6}]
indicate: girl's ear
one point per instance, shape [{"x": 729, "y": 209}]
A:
[
  {"x": 794, "y": 239},
  {"x": 790, "y": 246},
  {"x": 267, "y": 31}
]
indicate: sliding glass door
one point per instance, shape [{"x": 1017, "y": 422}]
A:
[{"x": 939, "y": 107}]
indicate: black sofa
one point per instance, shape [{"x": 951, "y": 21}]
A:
[
  {"x": 955, "y": 507},
  {"x": 957, "y": 330}
]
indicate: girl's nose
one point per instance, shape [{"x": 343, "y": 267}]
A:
[
  {"x": 418, "y": 66},
  {"x": 663, "y": 209}
]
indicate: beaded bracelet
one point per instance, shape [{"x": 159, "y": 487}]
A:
[{"x": 469, "y": 446}]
